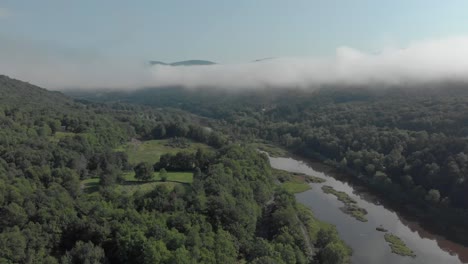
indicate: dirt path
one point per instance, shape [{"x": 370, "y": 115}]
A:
[{"x": 308, "y": 244}]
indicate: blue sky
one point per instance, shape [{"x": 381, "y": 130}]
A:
[{"x": 226, "y": 31}]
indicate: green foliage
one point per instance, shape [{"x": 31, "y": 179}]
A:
[
  {"x": 86, "y": 253},
  {"x": 12, "y": 245},
  {"x": 151, "y": 150},
  {"x": 433, "y": 196},
  {"x": 144, "y": 171},
  {"x": 295, "y": 182},
  {"x": 68, "y": 193},
  {"x": 330, "y": 248},
  {"x": 398, "y": 246},
  {"x": 163, "y": 174},
  {"x": 272, "y": 150},
  {"x": 333, "y": 253},
  {"x": 399, "y": 142},
  {"x": 296, "y": 187},
  {"x": 350, "y": 204}
]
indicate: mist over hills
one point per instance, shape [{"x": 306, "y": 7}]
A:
[
  {"x": 182, "y": 63},
  {"x": 417, "y": 64}
]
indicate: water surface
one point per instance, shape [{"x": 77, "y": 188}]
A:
[{"x": 367, "y": 243}]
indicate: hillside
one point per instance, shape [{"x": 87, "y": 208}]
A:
[
  {"x": 116, "y": 183},
  {"x": 14, "y": 92}
]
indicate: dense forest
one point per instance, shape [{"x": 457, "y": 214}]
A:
[
  {"x": 232, "y": 211},
  {"x": 407, "y": 144}
]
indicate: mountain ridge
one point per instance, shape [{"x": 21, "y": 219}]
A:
[{"x": 183, "y": 63}]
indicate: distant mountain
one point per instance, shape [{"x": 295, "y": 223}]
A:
[
  {"x": 183, "y": 63},
  {"x": 264, "y": 59},
  {"x": 157, "y": 63}
]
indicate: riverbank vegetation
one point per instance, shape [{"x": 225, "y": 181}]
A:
[
  {"x": 271, "y": 149},
  {"x": 398, "y": 246},
  {"x": 324, "y": 235},
  {"x": 350, "y": 206},
  {"x": 295, "y": 182},
  {"x": 296, "y": 185}
]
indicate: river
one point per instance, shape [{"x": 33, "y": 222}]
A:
[{"x": 367, "y": 243}]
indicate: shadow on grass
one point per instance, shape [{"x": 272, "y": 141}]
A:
[
  {"x": 91, "y": 187},
  {"x": 143, "y": 182}
]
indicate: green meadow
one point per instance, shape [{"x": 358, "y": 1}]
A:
[
  {"x": 147, "y": 151},
  {"x": 151, "y": 150}
]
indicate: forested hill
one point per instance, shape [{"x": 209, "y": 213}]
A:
[
  {"x": 407, "y": 144},
  {"x": 16, "y": 92},
  {"x": 77, "y": 185}
]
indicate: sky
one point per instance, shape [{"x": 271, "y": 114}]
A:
[
  {"x": 121, "y": 34},
  {"x": 228, "y": 31}
]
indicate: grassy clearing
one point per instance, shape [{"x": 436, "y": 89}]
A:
[
  {"x": 176, "y": 177},
  {"x": 151, "y": 150},
  {"x": 295, "y": 182},
  {"x": 147, "y": 151},
  {"x": 131, "y": 185},
  {"x": 350, "y": 204},
  {"x": 90, "y": 185},
  {"x": 398, "y": 246},
  {"x": 272, "y": 150},
  {"x": 296, "y": 187}
]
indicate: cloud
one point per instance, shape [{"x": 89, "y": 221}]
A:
[
  {"x": 418, "y": 63},
  {"x": 4, "y": 13}
]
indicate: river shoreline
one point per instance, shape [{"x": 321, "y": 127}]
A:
[
  {"x": 441, "y": 249},
  {"x": 361, "y": 189}
]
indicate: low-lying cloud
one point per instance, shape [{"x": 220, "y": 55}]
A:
[{"x": 420, "y": 62}]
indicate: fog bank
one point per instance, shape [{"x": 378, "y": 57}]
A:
[{"x": 418, "y": 63}]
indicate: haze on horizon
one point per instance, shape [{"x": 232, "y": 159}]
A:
[{"x": 61, "y": 45}]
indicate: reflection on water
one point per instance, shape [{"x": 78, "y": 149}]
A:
[{"x": 368, "y": 244}]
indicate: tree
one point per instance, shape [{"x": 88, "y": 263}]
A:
[
  {"x": 144, "y": 171},
  {"x": 12, "y": 246},
  {"x": 334, "y": 253},
  {"x": 181, "y": 256},
  {"x": 433, "y": 196},
  {"x": 13, "y": 214},
  {"x": 159, "y": 131},
  {"x": 225, "y": 249},
  {"x": 325, "y": 236},
  {"x": 155, "y": 251},
  {"x": 163, "y": 174},
  {"x": 86, "y": 253}
]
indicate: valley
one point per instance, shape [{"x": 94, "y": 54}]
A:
[{"x": 233, "y": 132}]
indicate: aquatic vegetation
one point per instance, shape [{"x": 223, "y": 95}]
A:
[
  {"x": 398, "y": 246},
  {"x": 350, "y": 207}
]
